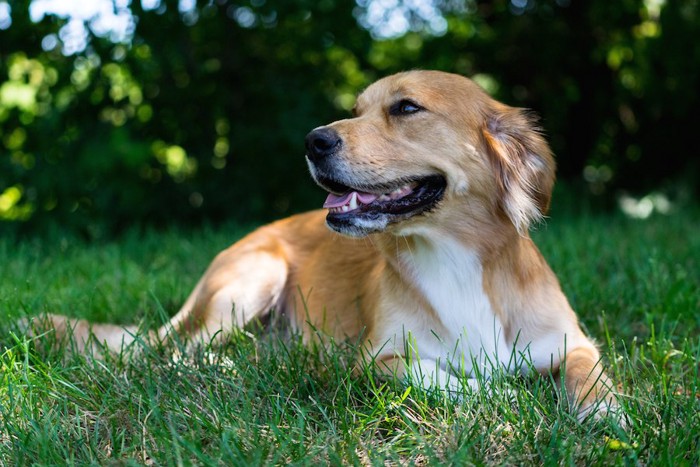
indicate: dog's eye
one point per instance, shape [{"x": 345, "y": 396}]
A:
[{"x": 404, "y": 107}]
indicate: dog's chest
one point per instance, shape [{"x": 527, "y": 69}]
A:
[{"x": 450, "y": 277}]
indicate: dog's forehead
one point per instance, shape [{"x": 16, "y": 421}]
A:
[
  {"x": 421, "y": 86},
  {"x": 398, "y": 85}
]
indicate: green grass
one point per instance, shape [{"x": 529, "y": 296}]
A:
[{"x": 267, "y": 400}]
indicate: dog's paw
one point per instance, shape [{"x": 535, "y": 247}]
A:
[{"x": 608, "y": 409}]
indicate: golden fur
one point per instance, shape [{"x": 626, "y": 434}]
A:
[{"x": 464, "y": 274}]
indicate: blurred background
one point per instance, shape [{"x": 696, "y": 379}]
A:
[{"x": 115, "y": 113}]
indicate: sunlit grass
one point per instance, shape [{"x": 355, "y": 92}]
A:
[{"x": 270, "y": 400}]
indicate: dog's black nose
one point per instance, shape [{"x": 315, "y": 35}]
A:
[{"x": 321, "y": 143}]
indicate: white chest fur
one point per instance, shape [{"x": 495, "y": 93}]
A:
[{"x": 466, "y": 332}]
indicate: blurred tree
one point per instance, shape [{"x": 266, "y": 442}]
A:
[{"x": 200, "y": 112}]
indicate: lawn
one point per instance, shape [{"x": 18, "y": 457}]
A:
[{"x": 268, "y": 400}]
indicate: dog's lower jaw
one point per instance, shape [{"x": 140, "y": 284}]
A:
[{"x": 358, "y": 227}]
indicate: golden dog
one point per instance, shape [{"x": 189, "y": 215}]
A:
[{"x": 433, "y": 186}]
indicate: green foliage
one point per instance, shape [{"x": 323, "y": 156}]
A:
[{"x": 202, "y": 114}]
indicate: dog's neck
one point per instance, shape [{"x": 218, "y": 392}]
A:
[
  {"x": 446, "y": 273},
  {"x": 453, "y": 271},
  {"x": 462, "y": 232}
]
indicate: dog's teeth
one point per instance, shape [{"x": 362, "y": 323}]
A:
[
  {"x": 345, "y": 208},
  {"x": 353, "y": 202},
  {"x": 399, "y": 192},
  {"x": 384, "y": 198}
]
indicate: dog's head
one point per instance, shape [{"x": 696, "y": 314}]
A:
[{"x": 423, "y": 142}]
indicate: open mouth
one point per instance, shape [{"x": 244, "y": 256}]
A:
[{"x": 358, "y": 211}]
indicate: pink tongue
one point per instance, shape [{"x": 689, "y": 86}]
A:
[{"x": 335, "y": 201}]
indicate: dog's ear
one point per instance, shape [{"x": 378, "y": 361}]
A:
[{"x": 523, "y": 164}]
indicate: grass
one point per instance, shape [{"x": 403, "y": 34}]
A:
[{"x": 635, "y": 284}]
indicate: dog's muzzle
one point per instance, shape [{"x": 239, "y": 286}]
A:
[{"x": 359, "y": 207}]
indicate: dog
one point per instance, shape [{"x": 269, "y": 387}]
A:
[{"x": 423, "y": 248}]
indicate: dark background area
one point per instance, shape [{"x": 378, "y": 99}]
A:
[{"x": 200, "y": 114}]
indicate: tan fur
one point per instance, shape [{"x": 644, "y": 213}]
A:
[{"x": 499, "y": 172}]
